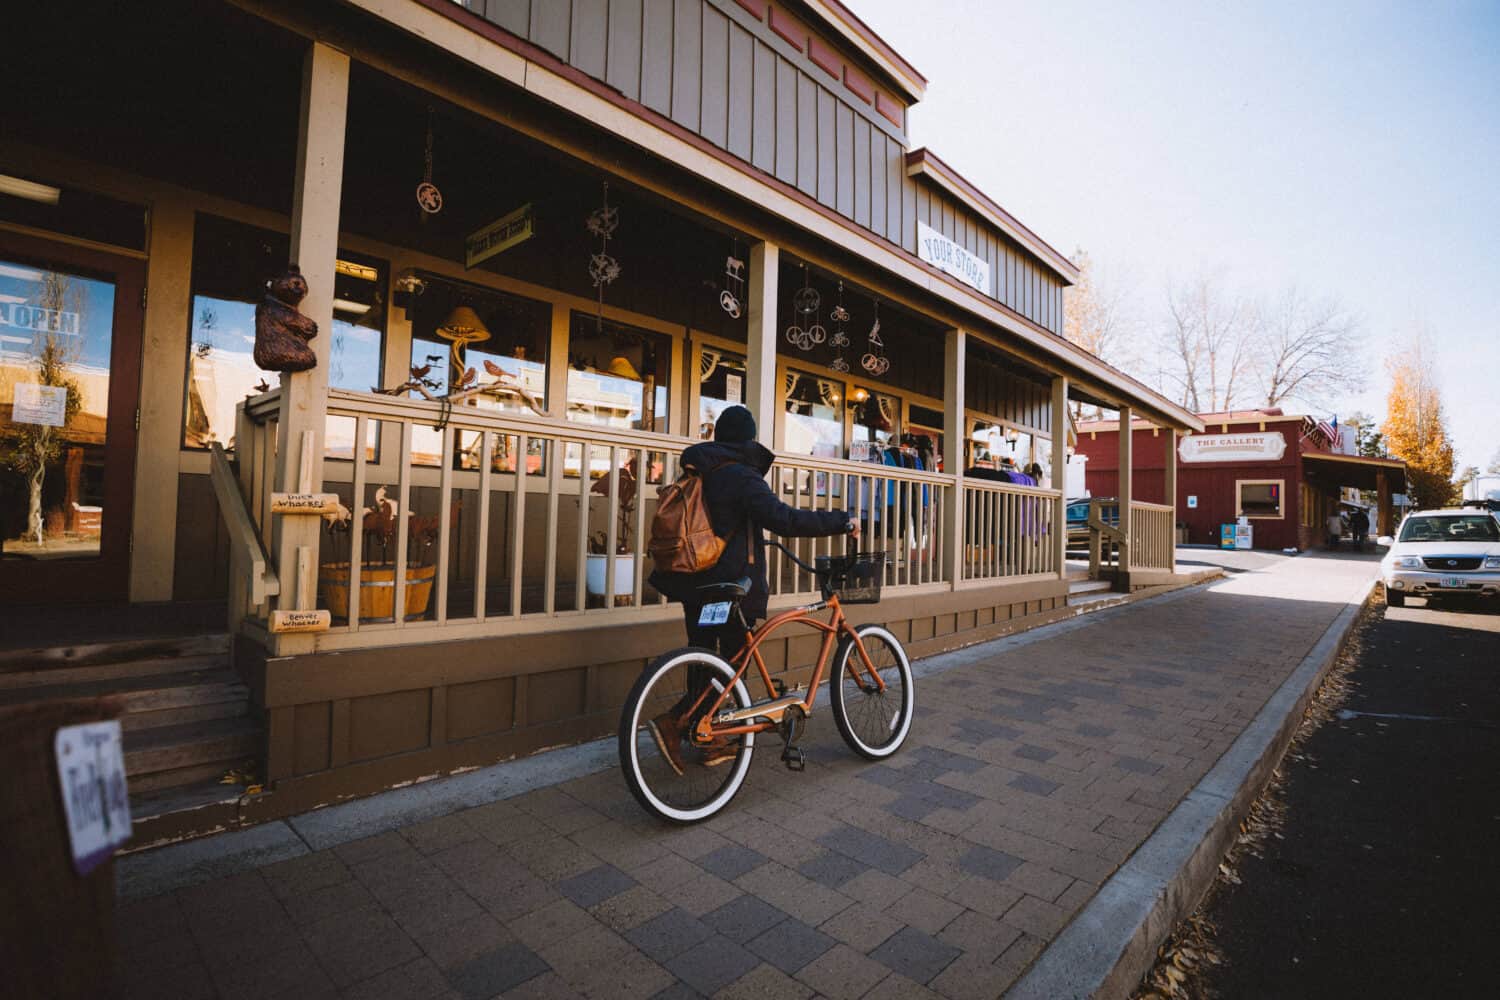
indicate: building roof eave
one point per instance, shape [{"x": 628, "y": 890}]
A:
[
  {"x": 847, "y": 25},
  {"x": 924, "y": 163}
]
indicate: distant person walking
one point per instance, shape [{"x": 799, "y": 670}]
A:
[
  {"x": 1335, "y": 526},
  {"x": 1359, "y": 527}
]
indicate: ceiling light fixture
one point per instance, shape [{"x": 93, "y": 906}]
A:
[{"x": 30, "y": 190}]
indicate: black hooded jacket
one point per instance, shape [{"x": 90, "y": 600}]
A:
[{"x": 741, "y": 505}]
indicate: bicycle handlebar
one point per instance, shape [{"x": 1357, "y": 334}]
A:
[{"x": 853, "y": 545}]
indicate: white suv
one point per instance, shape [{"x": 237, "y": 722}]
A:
[{"x": 1442, "y": 552}]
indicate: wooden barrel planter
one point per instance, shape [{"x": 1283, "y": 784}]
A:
[{"x": 377, "y": 590}]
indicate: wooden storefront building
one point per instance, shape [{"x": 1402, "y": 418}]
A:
[
  {"x": 564, "y": 197},
  {"x": 1285, "y": 473}
]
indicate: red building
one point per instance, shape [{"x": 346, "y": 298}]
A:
[{"x": 1282, "y": 471}]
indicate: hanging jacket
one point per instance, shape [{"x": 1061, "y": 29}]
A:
[{"x": 741, "y": 505}]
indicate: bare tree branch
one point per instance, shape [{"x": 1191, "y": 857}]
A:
[{"x": 1309, "y": 350}]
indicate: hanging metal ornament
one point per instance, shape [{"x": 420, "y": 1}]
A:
[
  {"x": 734, "y": 283},
  {"x": 603, "y": 269},
  {"x": 805, "y": 331},
  {"x": 874, "y": 361},
  {"x": 429, "y": 198},
  {"x": 840, "y": 338}
]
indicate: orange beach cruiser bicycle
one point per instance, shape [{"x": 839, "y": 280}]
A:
[{"x": 705, "y": 708}]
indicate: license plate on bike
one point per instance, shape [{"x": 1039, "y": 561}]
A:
[{"x": 714, "y": 614}]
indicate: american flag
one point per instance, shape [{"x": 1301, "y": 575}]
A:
[{"x": 1330, "y": 431}]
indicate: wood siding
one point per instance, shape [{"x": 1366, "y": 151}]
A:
[{"x": 714, "y": 69}]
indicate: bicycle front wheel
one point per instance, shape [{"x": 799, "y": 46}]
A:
[
  {"x": 873, "y": 719},
  {"x": 668, "y": 774}
]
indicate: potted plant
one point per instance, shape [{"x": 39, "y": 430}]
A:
[
  {"x": 598, "y": 558},
  {"x": 377, "y": 576}
]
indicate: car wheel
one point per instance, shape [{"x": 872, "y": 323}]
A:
[{"x": 1395, "y": 598}]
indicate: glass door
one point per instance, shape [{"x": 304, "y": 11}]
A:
[{"x": 70, "y": 338}]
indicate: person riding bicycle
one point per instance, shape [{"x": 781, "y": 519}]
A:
[{"x": 741, "y": 505}]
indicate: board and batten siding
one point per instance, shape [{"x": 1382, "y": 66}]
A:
[{"x": 721, "y": 73}]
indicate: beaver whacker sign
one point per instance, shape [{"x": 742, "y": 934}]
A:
[
  {"x": 945, "y": 255},
  {"x": 1262, "y": 446}
]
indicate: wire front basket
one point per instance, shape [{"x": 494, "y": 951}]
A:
[{"x": 856, "y": 579}]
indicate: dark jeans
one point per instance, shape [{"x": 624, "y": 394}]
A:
[{"x": 727, "y": 639}]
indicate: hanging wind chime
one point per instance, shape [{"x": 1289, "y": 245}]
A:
[
  {"x": 874, "y": 361},
  {"x": 603, "y": 269},
  {"x": 805, "y": 331},
  {"x": 429, "y": 198},
  {"x": 734, "y": 283},
  {"x": 840, "y": 338}
]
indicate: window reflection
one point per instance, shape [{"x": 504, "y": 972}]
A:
[
  {"x": 56, "y": 334},
  {"x": 721, "y": 384},
  {"x": 231, "y": 264},
  {"x": 613, "y": 371},
  {"x": 814, "y": 415}
]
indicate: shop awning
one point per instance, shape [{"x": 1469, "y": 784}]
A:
[{"x": 1359, "y": 471}]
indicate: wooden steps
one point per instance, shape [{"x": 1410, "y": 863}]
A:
[{"x": 186, "y": 714}]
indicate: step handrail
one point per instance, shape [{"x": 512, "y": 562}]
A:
[{"x": 243, "y": 538}]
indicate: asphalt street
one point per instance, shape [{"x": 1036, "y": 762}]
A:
[{"x": 1383, "y": 879}]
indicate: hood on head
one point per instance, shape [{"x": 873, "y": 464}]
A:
[{"x": 709, "y": 454}]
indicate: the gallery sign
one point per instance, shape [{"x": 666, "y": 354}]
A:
[{"x": 1262, "y": 446}]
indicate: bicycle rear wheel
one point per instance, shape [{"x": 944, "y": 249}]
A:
[
  {"x": 873, "y": 721},
  {"x": 654, "y": 728}
]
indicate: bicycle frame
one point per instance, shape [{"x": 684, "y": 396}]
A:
[{"x": 716, "y": 722}]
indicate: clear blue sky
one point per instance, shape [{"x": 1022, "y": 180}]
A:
[{"x": 1352, "y": 148}]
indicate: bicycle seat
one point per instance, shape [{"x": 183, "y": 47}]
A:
[{"x": 711, "y": 592}]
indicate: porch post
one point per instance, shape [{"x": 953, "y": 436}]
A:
[
  {"x": 955, "y": 354},
  {"x": 1060, "y": 473},
  {"x": 1169, "y": 489},
  {"x": 760, "y": 362},
  {"x": 314, "y": 245},
  {"x": 1125, "y": 490},
  {"x": 1383, "y": 525}
]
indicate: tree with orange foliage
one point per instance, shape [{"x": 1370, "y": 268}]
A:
[{"x": 1415, "y": 430}]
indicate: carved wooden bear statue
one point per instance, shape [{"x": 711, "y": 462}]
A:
[{"x": 281, "y": 332}]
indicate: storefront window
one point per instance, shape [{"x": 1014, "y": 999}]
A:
[
  {"x": 928, "y": 423},
  {"x": 503, "y": 339},
  {"x": 721, "y": 384},
  {"x": 1260, "y": 499},
  {"x": 876, "y": 420},
  {"x": 231, "y": 264},
  {"x": 56, "y": 336},
  {"x": 618, "y": 375},
  {"x": 814, "y": 415}
]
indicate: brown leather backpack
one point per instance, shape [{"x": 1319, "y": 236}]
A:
[{"x": 682, "y": 536}]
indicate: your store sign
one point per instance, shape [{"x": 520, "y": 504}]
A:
[
  {"x": 947, "y": 256},
  {"x": 1263, "y": 446}
]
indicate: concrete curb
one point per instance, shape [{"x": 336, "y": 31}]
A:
[{"x": 1112, "y": 942}]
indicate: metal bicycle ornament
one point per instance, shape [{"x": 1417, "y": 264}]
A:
[
  {"x": 840, "y": 338},
  {"x": 734, "y": 285},
  {"x": 603, "y": 269},
  {"x": 874, "y": 361},
  {"x": 806, "y": 332},
  {"x": 429, "y": 198}
]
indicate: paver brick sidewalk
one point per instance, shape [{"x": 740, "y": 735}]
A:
[{"x": 1032, "y": 771}]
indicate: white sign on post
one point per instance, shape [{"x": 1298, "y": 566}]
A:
[
  {"x": 91, "y": 770},
  {"x": 947, "y": 256},
  {"x": 45, "y": 405}
]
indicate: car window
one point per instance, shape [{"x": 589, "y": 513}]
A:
[
  {"x": 1078, "y": 512},
  {"x": 1476, "y": 528}
]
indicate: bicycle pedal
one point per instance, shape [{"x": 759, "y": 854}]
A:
[{"x": 794, "y": 759}]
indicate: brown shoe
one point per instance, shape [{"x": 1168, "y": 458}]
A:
[
  {"x": 721, "y": 751},
  {"x": 667, "y": 732}
]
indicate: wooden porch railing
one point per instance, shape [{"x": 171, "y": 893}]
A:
[
  {"x": 1008, "y": 531},
  {"x": 486, "y": 525},
  {"x": 1152, "y": 535}
]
